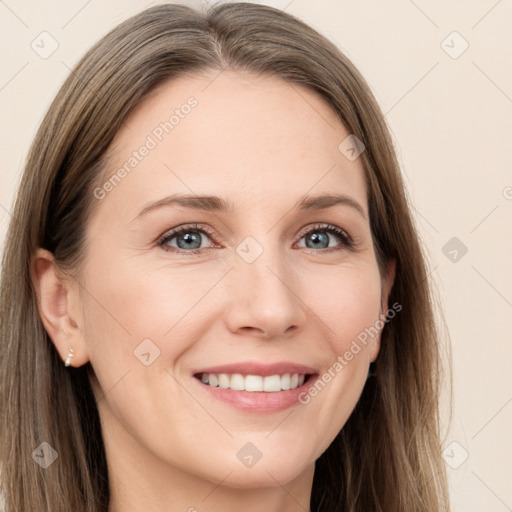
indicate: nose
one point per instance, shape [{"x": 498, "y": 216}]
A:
[{"x": 264, "y": 298}]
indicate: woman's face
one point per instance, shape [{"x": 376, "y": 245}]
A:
[{"x": 273, "y": 272}]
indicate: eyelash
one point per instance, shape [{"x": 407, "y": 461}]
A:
[{"x": 346, "y": 241}]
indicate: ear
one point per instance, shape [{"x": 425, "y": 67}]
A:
[
  {"x": 58, "y": 305},
  {"x": 387, "y": 282}
]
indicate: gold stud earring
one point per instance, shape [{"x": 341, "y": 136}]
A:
[{"x": 70, "y": 356}]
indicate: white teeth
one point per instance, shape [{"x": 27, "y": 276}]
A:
[
  {"x": 223, "y": 381},
  {"x": 238, "y": 382},
  {"x": 285, "y": 381},
  {"x": 272, "y": 383},
  {"x": 253, "y": 383}
]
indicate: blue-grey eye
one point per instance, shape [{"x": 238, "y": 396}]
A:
[
  {"x": 317, "y": 240},
  {"x": 190, "y": 240}
]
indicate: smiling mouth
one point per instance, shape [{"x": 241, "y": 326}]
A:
[{"x": 254, "y": 383}]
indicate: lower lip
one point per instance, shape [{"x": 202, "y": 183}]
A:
[{"x": 258, "y": 401}]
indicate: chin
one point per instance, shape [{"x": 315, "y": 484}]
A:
[
  {"x": 269, "y": 471},
  {"x": 269, "y": 475}
]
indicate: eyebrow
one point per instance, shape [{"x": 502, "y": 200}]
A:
[
  {"x": 217, "y": 204},
  {"x": 324, "y": 201}
]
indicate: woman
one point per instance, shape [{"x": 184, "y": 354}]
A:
[{"x": 213, "y": 294}]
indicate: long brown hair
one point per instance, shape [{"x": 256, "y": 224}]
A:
[{"x": 387, "y": 457}]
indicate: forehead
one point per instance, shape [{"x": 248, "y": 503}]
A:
[{"x": 255, "y": 137}]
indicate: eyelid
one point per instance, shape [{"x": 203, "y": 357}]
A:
[
  {"x": 328, "y": 228},
  {"x": 172, "y": 233},
  {"x": 347, "y": 241}
]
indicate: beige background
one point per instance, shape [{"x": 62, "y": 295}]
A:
[{"x": 450, "y": 113}]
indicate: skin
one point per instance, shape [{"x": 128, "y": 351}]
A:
[{"x": 257, "y": 142}]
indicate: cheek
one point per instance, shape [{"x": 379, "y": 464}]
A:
[
  {"x": 349, "y": 306},
  {"x": 348, "y": 303},
  {"x": 131, "y": 312},
  {"x": 133, "y": 302}
]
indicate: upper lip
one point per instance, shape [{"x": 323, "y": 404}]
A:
[{"x": 255, "y": 368}]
